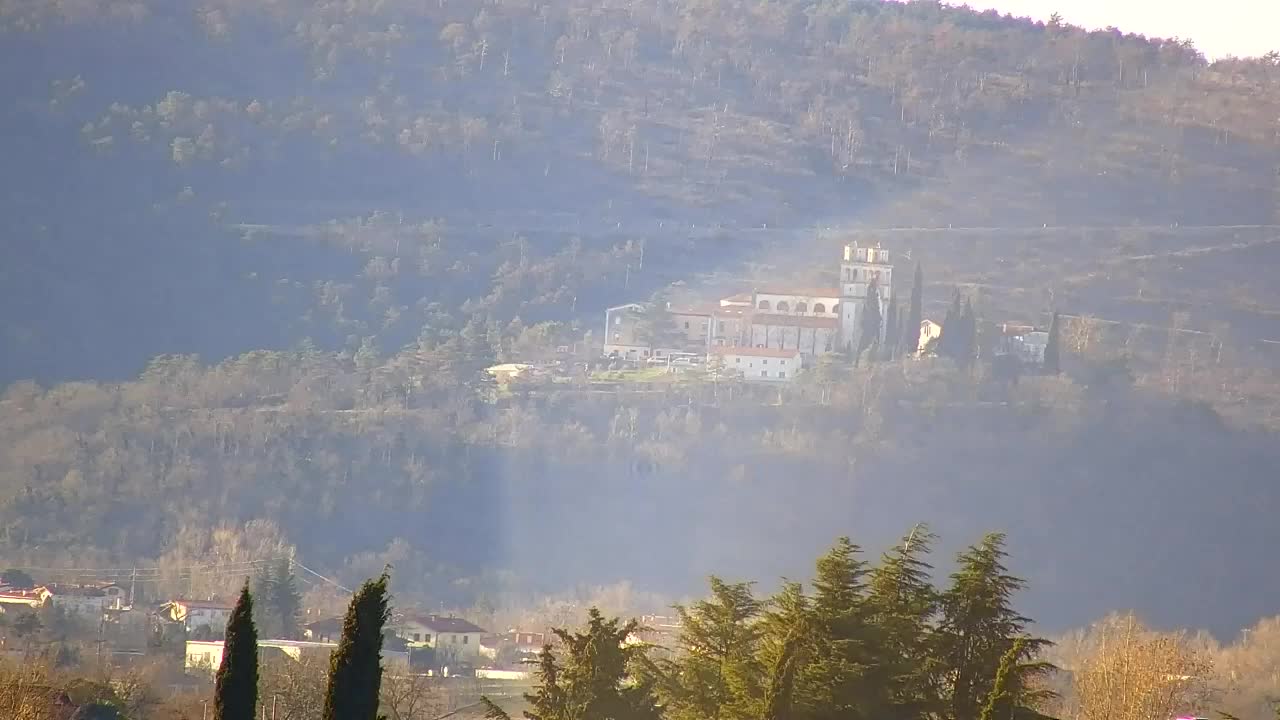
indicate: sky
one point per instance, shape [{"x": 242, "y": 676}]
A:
[{"x": 1218, "y": 27}]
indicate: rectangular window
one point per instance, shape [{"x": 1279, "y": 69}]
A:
[
  {"x": 426, "y": 638},
  {"x": 417, "y": 637},
  {"x": 686, "y": 324},
  {"x": 721, "y": 326},
  {"x": 764, "y": 373},
  {"x": 764, "y": 362},
  {"x": 455, "y": 639},
  {"x": 465, "y": 639},
  {"x": 782, "y": 373}
]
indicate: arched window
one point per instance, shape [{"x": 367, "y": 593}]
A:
[
  {"x": 783, "y": 306},
  {"x": 802, "y": 308},
  {"x": 819, "y": 308},
  {"x": 764, "y": 305},
  {"x": 835, "y": 309}
]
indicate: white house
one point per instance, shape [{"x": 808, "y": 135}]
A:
[
  {"x": 197, "y": 614},
  {"x": 449, "y": 635},
  {"x": 87, "y": 601},
  {"x": 929, "y": 332},
  {"x": 760, "y": 364},
  {"x": 207, "y": 654}
]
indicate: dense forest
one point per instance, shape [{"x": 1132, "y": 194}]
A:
[{"x": 257, "y": 255}]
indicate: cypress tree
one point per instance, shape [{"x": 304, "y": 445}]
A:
[
  {"x": 967, "y": 343},
  {"x": 1052, "y": 353},
  {"x": 951, "y": 331},
  {"x": 915, "y": 315},
  {"x": 236, "y": 688},
  {"x": 869, "y": 329},
  {"x": 355, "y": 670},
  {"x": 999, "y": 703},
  {"x": 892, "y": 328}
]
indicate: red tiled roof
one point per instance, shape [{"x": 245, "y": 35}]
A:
[
  {"x": 802, "y": 292},
  {"x": 755, "y": 352},
  {"x": 829, "y": 323},
  {"x": 443, "y": 624}
]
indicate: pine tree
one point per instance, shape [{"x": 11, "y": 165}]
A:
[
  {"x": 915, "y": 315},
  {"x": 779, "y": 692},
  {"x": 978, "y": 626},
  {"x": 902, "y": 603},
  {"x": 236, "y": 686},
  {"x": 869, "y": 329},
  {"x": 1052, "y": 352},
  {"x": 718, "y": 674},
  {"x": 601, "y": 675},
  {"x": 355, "y": 670},
  {"x": 786, "y": 639},
  {"x": 842, "y": 640}
]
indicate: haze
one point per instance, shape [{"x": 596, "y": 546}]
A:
[{"x": 1244, "y": 28}]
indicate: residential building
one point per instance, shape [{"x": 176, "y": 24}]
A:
[
  {"x": 513, "y": 648},
  {"x": 198, "y": 615},
  {"x": 448, "y": 635},
  {"x": 86, "y": 601},
  {"x": 760, "y": 364},
  {"x": 930, "y": 331},
  {"x": 21, "y": 598},
  {"x": 327, "y": 630}
]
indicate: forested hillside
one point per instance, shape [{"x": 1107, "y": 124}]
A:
[
  {"x": 221, "y": 177},
  {"x": 348, "y": 209}
]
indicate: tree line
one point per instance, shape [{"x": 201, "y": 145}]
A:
[{"x": 863, "y": 640}]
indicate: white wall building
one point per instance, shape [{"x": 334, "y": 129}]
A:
[
  {"x": 760, "y": 364},
  {"x": 451, "y": 635},
  {"x": 207, "y": 654},
  {"x": 199, "y": 614},
  {"x": 812, "y": 336}
]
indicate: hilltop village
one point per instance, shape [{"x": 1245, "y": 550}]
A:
[{"x": 771, "y": 334}]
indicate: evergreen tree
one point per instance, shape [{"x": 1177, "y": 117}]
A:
[
  {"x": 967, "y": 343},
  {"x": 869, "y": 328},
  {"x": 915, "y": 315},
  {"x": 891, "y": 328},
  {"x": 601, "y": 676},
  {"x": 1052, "y": 351},
  {"x": 265, "y": 617},
  {"x": 842, "y": 649},
  {"x": 236, "y": 687},
  {"x": 355, "y": 670},
  {"x": 1000, "y": 702},
  {"x": 286, "y": 601},
  {"x": 785, "y": 643},
  {"x": 717, "y": 675},
  {"x": 978, "y": 626},
  {"x": 902, "y": 603},
  {"x": 950, "y": 339}
]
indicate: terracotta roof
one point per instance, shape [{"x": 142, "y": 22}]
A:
[
  {"x": 756, "y": 352},
  {"x": 443, "y": 624},
  {"x": 802, "y": 292},
  {"x": 829, "y": 323}
]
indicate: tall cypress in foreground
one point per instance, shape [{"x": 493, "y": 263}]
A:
[
  {"x": 355, "y": 670},
  {"x": 236, "y": 690},
  {"x": 1052, "y": 353},
  {"x": 915, "y": 315}
]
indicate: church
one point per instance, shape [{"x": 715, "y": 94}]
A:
[{"x": 811, "y": 321}]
